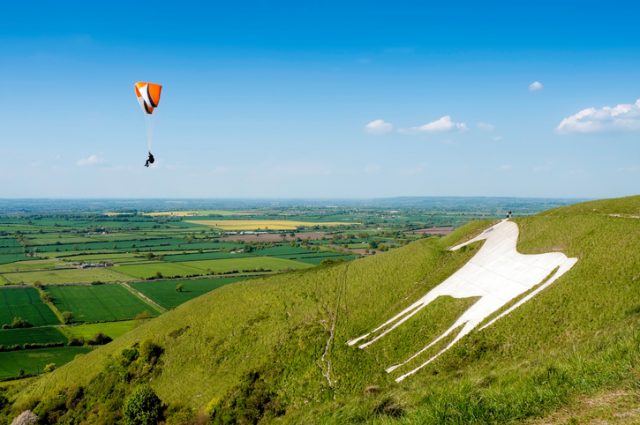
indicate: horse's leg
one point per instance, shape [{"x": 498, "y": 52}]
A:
[{"x": 399, "y": 319}]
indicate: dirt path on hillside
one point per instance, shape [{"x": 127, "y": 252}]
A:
[{"x": 325, "y": 360}]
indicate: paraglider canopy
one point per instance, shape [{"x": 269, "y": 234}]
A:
[{"x": 148, "y": 95}]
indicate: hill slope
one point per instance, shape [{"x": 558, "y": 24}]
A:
[{"x": 275, "y": 349}]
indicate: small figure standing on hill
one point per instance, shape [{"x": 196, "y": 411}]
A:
[
  {"x": 509, "y": 214},
  {"x": 150, "y": 160}
]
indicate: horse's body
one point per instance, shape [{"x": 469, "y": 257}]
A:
[{"x": 497, "y": 274}]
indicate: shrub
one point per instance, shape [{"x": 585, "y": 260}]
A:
[
  {"x": 142, "y": 407},
  {"x": 49, "y": 367},
  {"x": 388, "y": 407},
  {"x": 150, "y": 351},
  {"x": 179, "y": 287},
  {"x": 100, "y": 339},
  {"x": 76, "y": 342},
  {"x": 248, "y": 403},
  {"x": 4, "y": 401},
  {"x": 67, "y": 317},
  {"x": 129, "y": 355},
  {"x": 19, "y": 322}
]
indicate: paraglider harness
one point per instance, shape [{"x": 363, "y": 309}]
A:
[{"x": 150, "y": 160}]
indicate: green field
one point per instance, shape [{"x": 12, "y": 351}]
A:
[
  {"x": 98, "y": 303},
  {"x": 40, "y": 335},
  {"x": 24, "y": 303},
  {"x": 112, "y": 329},
  {"x": 34, "y": 361},
  {"x": 164, "y": 291},
  {"x": 25, "y": 266},
  {"x": 246, "y": 264},
  {"x": 318, "y": 258},
  {"x": 47, "y": 239},
  {"x": 151, "y": 269},
  {"x": 66, "y": 276},
  {"x": 114, "y": 258},
  {"x": 10, "y": 258}
]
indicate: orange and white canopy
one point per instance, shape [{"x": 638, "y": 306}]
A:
[{"x": 148, "y": 95}]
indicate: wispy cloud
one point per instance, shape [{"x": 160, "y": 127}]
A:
[
  {"x": 89, "y": 161},
  {"x": 441, "y": 125},
  {"x": 485, "y": 126},
  {"x": 536, "y": 86},
  {"x": 622, "y": 117},
  {"x": 378, "y": 127}
]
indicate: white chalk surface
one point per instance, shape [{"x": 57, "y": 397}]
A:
[{"x": 497, "y": 274}]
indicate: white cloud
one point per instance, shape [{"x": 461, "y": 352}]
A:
[
  {"x": 622, "y": 117},
  {"x": 378, "y": 127},
  {"x": 89, "y": 161},
  {"x": 536, "y": 86},
  {"x": 486, "y": 126},
  {"x": 441, "y": 125}
]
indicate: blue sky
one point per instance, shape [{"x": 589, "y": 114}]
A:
[{"x": 325, "y": 99}]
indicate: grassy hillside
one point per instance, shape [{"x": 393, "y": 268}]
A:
[{"x": 274, "y": 349}]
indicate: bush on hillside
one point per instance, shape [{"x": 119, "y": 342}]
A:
[
  {"x": 100, "y": 339},
  {"x": 76, "y": 342},
  {"x": 142, "y": 407},
  {"x": 248, "y": 403},
  {"x": 150, "y": 352}
]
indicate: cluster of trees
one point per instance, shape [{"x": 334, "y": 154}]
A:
[
  {"x": 97, "y": 339},
  {"x": 30, "y": 345},
  {"x": 17, "y": 323}
]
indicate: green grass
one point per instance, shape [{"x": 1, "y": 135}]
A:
[
  {"x": 577, "y": 338},
  {"x": 114, "y": 258},
  {"x": 23, "y": 266},
  {"x": 35, "y": 240},
  {"x": 204, "y": 267},
  {"x": 151, "y": 269},
  {"x": 164, "y": 291},
  {"x": 53, "y": 277},
  {"x": 40, "y": 335},
  {"x": 25, "y": 303},
  {"x": 246, "y": 264},
  {"x": 98, "y": 303},
  {"x": 12, "y": 258},
  {"x": 112, "y": 329},
  {"x": 34, "y": 361}
]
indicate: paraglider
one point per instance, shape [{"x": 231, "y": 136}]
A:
[{"x": 148, "y": 95}]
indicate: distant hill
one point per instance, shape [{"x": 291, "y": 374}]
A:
[{"x": 274, "y": 349}]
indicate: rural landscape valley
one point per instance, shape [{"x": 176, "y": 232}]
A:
[
  {"x": 229, "y": 321},
  {"x": 77, "y": 278}
]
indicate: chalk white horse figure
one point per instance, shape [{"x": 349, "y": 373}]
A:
[{"x": 497, "y": 273}]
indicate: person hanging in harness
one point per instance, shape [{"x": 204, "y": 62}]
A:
[
  {"x": 148, "y": 95},
  {"x": 150, "y": 160}
]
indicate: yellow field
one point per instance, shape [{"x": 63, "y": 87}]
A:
[
  {"x": 194, "y": 213},
  {"x": 236, "y": 225}
]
